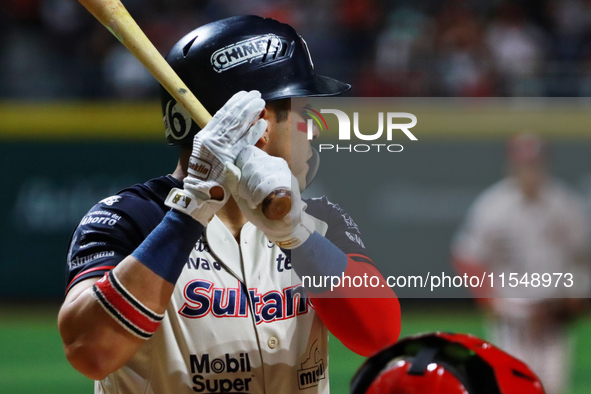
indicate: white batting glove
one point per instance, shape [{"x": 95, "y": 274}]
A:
[
  {"x": 222, "y": 139},
  {"x": 252, "y": 179}
]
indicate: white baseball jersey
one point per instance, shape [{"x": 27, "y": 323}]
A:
[
  {"x": 239, "y": 320},
  {"x": 511, "y": 234}
]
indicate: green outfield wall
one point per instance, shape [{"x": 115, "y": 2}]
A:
[{"x": 59, "y": 159}]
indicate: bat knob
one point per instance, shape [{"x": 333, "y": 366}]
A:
[{"x": 277, "y": 204}]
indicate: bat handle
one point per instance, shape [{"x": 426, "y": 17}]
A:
[{"x": 277, "y": 204}]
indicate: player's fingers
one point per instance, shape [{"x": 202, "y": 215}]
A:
[
  {"x": 255, "y": 132},
  {"x": 231, "y": 177},
  {"x": 252, "y": 108},
  {"x": 236, "y": 98},
  {"x": 247, "y": 153},
  {"x": 261, "y": 174},
  {"x": 266, "y": 175},
  {"x": 275, "y": 181},
  {"x": 225, "y": 116},
  {"x": 240, "y": 116},
  {"x": 240, "y": 101},
  {"x": 228, "y": 106},
  {"x": 244, "y": 191}
]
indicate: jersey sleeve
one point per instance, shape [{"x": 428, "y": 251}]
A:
[
  {"x": 109, "y": 232},
  {"x": 475, "y": 238},
  {"x": 365, "y": 320},
  {"x": 342, "y": 230}
]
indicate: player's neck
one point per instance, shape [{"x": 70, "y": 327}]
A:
[{"x": 232, "y": 217}]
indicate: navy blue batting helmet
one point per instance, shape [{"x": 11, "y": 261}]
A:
[{"x": 240, "y": 53}]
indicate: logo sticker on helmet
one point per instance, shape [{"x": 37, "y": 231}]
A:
[
  {"x": 177, "y": 121},
  {"x": 245, "y": 51}
]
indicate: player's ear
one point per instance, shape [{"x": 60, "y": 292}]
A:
[
  {"x": 265, "y": 114},
  {"x": 263, "y": 141}
]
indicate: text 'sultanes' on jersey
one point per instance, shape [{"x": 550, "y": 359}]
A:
[{"x": 231, "y": 324}]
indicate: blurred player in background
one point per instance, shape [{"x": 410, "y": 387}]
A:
[
  {"x": 529, "y": 223},
  {"x": 442, "y": 363},
  {"x": 181, "y": 284}
]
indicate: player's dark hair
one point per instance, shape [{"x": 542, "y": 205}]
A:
[{"x": 280, "y": 108}]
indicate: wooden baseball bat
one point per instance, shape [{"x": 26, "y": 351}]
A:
[{"x": 115, "y": 17}]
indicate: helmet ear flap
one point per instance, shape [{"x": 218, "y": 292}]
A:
[{"x": 178, "y": 123}]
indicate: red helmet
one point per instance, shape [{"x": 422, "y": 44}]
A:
[{"x": 441, "y": 363}]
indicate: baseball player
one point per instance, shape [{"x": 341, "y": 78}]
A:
[
  {"x": 529, "y": 223},
  {"x": 178, "y": 285},
  {"x": 444, "y": 363}
]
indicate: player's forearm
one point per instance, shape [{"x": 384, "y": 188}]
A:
[
  {"x": 317, "y": 257},
  {"x": 364, "y": 325},
  {"x": 365, "y": 319},
  {"x": 94, "y": 342},
  {"x": 104, "y": 323}
]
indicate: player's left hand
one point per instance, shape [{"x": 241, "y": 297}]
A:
[
  {"x": 231, "y": 129},
  {"x": 223, "y": 138},
  {"x": 254, "y": 176}
]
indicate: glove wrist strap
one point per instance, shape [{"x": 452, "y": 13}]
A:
[
  {"x": 186, "y": 202},
  {"x": 299, "y": 234}
]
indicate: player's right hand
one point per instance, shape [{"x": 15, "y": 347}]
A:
[
  {"x": 254, "y": 176},
  {"x": 223, "y": 138}
]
